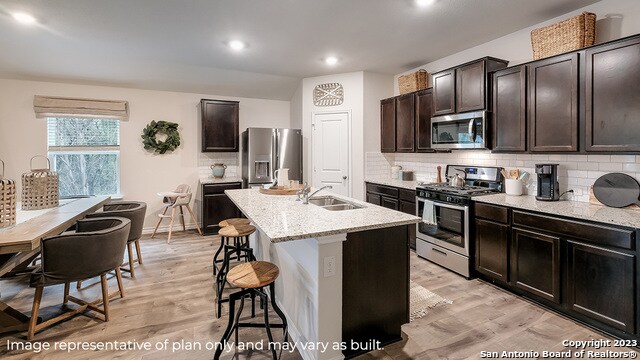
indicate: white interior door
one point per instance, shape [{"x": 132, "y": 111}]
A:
[{"x": 331, "y": 144}]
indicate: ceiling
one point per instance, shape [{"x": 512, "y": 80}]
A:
[{"x": 181, "y": 45}]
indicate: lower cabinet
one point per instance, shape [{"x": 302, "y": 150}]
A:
[
  {"x": 396, "y": 199},
  {"x": 583, "y": 269},
  {"x": 535, "y": 264},
  {"x": 492, "y": 249},
  {"x": 601, "y": 283},
  {"x": 216, "y": 205}
]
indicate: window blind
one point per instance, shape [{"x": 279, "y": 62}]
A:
[{"x": 59, "y": 107}]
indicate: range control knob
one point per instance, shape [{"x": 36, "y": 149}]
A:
[{"x": 449, "y": 198}]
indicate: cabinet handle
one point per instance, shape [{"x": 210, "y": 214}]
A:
[
  {"x": 439, "y": 251},
  {"x": 344, "y": 177}
]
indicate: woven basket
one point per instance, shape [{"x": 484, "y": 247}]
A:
[
  {"x": 413, "y": 82},
  {"x": 567, "y": 35},
  {"x": 7, "y": 200},
  {"x": 40, "y": 188}
]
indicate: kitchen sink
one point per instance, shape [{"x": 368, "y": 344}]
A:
[
  {"x": 341, "y": 207},
  {"x": 332, "y": 203}
]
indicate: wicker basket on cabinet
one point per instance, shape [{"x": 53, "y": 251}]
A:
[
  {"x": 567, "y": 35},
  {"x": 413, "y": 82},
  {"x": 40, "y": 188},
  {"x": 7, "y": 200}
]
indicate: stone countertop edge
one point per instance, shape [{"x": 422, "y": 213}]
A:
[
  {"x": 212, "y": 180},
  {"x": 303, "y": 233},
  {"x": 404, "y": 184},
  {"x": 569, "y": 209}
]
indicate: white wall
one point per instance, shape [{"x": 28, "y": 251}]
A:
[
  {"x": 353, "y": 101},
  {"x": 295, "y": 113},
  {"x": 615, "y": 19},
  {"x": 142, "y": 173}
]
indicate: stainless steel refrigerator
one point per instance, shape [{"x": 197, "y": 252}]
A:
[{"x": 265, "y": 150}]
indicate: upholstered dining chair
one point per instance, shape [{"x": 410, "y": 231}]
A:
[
  {"x": 93, "y": 249},
  {"x": 180, "y": 197},
  {"x": 134, "y": 211}
]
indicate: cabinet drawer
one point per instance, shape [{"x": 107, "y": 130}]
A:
[
  {"x": 220, "y": 188},
  {"x": 491, "y": 212},
  {"x": 389, "y": 191},
  {"x": 408, "y": 195},
  {"x": 598, "y": 234}
]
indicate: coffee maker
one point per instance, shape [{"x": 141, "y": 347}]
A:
[{"x": 548, "y": 188}]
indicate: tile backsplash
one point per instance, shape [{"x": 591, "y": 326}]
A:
[
  {"x": 576, "y": 172},
  {"x": 205, "y": 160}
]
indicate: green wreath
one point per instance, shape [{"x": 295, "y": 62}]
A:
[{"x": 161, "y": 127}]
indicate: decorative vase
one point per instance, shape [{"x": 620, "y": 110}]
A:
[{"x": 217, "y": 170}]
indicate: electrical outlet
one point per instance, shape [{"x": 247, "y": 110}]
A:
[{"x": 329, "y": 266}]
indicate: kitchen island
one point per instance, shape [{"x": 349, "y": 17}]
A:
[{"x": 344, "y": 275}]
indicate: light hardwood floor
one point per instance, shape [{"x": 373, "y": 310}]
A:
[{"x": 172, "y": 298}]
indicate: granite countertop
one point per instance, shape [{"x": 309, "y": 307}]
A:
[
  {"x": 572, "y": 209},
  {"x": 212, "y": 180},
  {"x": 282, "y": 218},
  {"x": 404, "y": 184}
]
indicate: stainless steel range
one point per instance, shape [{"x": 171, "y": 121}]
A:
[{"x": 444, "y": 233}]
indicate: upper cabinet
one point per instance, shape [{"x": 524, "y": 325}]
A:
[
  {"x": 388, "y": 125},
  {"x": 464, "y": 88},
  {"x": 612, "y": 101},
  {"x": 405, "y": 123},
  {"x": 509, "y": 110},
  {"x": 424, "y": 101},
  {"x": 553, "y": 104},
  {"x": 220, "y": 125},
  {"x": 583, "y": 101},
  {"x": 444, "y": 92}
]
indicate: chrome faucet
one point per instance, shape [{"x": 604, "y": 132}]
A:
[{"x": 305, "y": 192}]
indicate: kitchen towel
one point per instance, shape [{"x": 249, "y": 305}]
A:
[{"x": 429, "y": 213}]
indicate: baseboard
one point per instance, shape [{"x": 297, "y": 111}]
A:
[{"x": 165, "y": 229}]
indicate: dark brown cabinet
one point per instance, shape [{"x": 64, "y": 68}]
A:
[
  {"x": 216, "y": 205},
  {"x": 388, "y": 125},
  {"x": 394, "y": 198},
  {"x": 601, "y": 283},
  {"x": 492, "y": 249},
  {"x": 405, "y": 123},
  {"x": 585, "y": 270},
  {"x": 535, "y": 264},
  {"x": 509, "y": 110},
  {"x": 471, "y": 87},
  {"x": 444, "y": 92},
  {"x": 466, "y": 87},
  {"x": 553, "y": 104},
  {"x": 612, "y": 84},
  {"x": 220, "y": 125},
  {"x": 424, "y": 103}
]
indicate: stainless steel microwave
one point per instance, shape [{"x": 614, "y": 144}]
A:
[{"x": 460, "y": 131}]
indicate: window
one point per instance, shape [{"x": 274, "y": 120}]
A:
[{"x": 86, "y": 155}]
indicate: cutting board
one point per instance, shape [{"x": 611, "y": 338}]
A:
[
  {"x": 281, "y": 190},
  {"x": 594, "y": 201}
]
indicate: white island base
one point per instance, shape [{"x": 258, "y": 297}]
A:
[{"x": 311, "y": 301}]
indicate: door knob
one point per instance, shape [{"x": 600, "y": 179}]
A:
[{"x": 344, "y": 177}]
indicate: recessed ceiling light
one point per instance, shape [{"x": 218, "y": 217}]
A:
[
  {"x": 24, "y": 18},
  {"x": 424, "y": 3},
  {"x": 237, "y": 45},
  {"x": 331, "y": 60}
]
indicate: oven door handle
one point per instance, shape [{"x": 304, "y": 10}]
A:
[{"x": 445, "y": 205}]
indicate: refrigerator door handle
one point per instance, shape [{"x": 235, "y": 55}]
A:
[{"x": 274, "y": 153}]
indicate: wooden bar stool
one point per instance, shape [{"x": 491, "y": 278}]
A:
[
  {"x": 240, "y": 248},
  {"x": 252, "y": 278},
  {"x": 222, "y": 224}
]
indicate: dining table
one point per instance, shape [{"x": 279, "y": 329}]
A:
[{"x": 20, "y": 243}]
